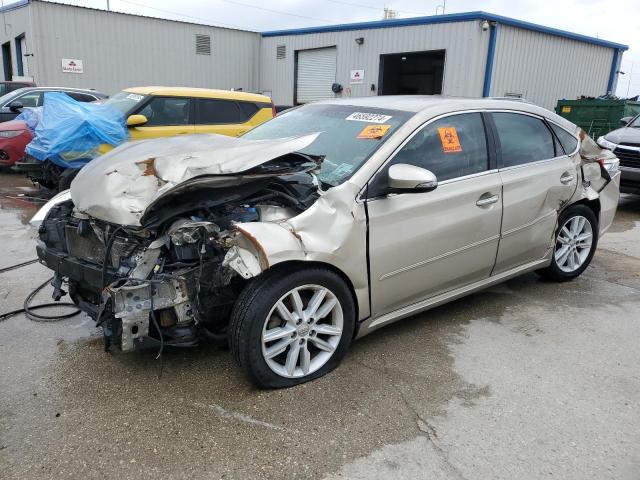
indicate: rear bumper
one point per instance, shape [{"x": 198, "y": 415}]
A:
[{"x": 609, "y": 197}]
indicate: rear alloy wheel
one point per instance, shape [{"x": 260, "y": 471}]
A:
[
  {"x": 289, "y": 327},
  {"x": 576, "y": 240}
]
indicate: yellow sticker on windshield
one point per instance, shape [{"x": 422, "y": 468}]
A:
[
  {"x": 374, "y": 131},
  {"x": 449, "y": 140}
]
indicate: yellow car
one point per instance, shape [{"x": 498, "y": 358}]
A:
[{"x": 154, "y": 112}]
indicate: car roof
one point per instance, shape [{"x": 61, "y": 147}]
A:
[
  {"x": 441, "y": 104},
  {"x": 199, "y": 93},
  {"x": 61, "y": 89}
]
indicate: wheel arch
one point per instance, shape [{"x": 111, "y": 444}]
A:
[
  {"x": 594, "y": 205},
  {"x": 287, "y": 265}
]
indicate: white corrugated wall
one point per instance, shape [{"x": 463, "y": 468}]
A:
[
  {"x": 121, "y": 50},
  {"x": 465, "y": 44},
  {"x": 547, "y": 68}
]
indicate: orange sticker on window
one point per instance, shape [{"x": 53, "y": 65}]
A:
[
  {"x": 449, "y": 140},
  {"x": 374, "y": 131}
]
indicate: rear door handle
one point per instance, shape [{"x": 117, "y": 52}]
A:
[
  {"x": 487, "y": 199},
  {"x": 567, "y": 178}
]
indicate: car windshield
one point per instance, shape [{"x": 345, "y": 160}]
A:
[
  {"x": 125, "y": 101},
  {"x": 635, "y": 123},
  {"x": 348, "y": 134}
]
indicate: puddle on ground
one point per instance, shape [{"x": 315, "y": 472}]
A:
[{"x": 18, "y": 196}]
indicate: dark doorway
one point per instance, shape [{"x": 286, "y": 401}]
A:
[
  {"x": 6, "y": 61},
  {"x": 412, "y": 73}
]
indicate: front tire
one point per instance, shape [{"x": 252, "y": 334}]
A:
[
  {"x": 576, "y": 239},
  {"x": 289, "y": 327}
]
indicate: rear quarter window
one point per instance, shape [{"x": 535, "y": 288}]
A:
[{"x": 569, "y": 142}]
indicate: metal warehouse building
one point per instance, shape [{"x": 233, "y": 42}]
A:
[{"x": 469, "y": 54}]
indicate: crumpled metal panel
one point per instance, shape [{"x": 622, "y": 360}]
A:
[
  {"x": 119, "y": 186},
  {"x": 332, "y": 231}
]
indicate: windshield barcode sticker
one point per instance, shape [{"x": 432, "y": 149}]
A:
[
  {"x": 135, "y": 96},
  {"x": 368, "y": 117}
]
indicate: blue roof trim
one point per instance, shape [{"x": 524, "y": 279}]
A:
[
  {"x": 491, "y": 53},
  {"x": 613, "y": 72},
  {"x": 13, "y": 6},
  {"x": 448, "y": 18}
]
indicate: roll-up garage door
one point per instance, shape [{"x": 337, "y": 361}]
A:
[{"x": 315, "y": 74}]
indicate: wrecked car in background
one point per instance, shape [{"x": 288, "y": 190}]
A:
[
  {"x": 324, "y": 224},
  {"x": 625, "y": 144},
  {"x": 150, "y": 112}
]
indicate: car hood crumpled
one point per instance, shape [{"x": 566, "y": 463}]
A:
[{"x": 119, "y": 186}]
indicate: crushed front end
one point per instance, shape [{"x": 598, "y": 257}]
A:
[{"x": 175, "y": 278}]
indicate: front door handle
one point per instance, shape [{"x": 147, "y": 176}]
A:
[
  {"x": 487, "y": 199},
  {"x": 567, "y": 178}
]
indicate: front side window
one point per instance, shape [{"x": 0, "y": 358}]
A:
[
  {"x": 569, "y": 142},
  {"x": 348, "y": 134},
  {"x": 450, "y": 147},
  {"x": 523, "y": 139},
  {"x": 217, "y": 112},
  {"x": 31, "y": 99},
  {"x": 165, "y": 111}
]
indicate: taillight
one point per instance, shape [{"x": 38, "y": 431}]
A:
[{"x": 273, "y": 109}]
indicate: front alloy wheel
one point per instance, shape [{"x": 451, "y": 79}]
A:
[
  {"x": 291, "y": 325},
  {"x": 302, "y": 331}
]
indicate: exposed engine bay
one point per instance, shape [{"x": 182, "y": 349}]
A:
[{"x": 175, "y": 277}]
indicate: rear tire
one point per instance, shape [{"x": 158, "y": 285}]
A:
[
  {"x": 289, "y": 327},
  {"x": 576, "y": 239}
]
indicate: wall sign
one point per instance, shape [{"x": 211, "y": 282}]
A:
[
  {"x": 72, "y": 65},
  {"x": 357, "y": 77}
]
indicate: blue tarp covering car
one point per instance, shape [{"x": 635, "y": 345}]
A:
[{"x": 68, "y": 133}]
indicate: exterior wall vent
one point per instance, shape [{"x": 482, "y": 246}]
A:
[
  {"x": 203, "y": 44},
  {"x": 281, "y": 52}
]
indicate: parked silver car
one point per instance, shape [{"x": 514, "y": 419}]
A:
[{"x": 324, "y": 224}]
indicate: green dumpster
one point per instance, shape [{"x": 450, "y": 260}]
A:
[{"x": 597, "y": 117}]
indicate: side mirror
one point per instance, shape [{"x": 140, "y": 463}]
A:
[
  {"x": 16, "y": 106},
  {"x": 136, "y": 120},
  {"x": 624, "y": 121},
  {"x": 409, "y": 178}
]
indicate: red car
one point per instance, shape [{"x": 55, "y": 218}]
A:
[{"x": 14, "y": 137}]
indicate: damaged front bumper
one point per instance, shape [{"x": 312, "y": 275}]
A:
[{"x": 126, "y": 308}]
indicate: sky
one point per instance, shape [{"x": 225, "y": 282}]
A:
[{"x": 614, "y": 20}]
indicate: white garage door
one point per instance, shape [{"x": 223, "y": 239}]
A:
[{"x": 316, "y": 73}]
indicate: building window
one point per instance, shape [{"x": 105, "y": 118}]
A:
[
  {"x": 203, "y": 44},
  {"x": 19, "y": 54},
  {"x": 281, "y": 52}
]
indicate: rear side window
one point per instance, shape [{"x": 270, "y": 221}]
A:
[
  {"x": 523, "y": 139},
  {"x": 213, "y": 112},
  {"x": 166, "y": 111},
  {"x": 450, "y": 147},
  {"x": 81, "y": 97},
  {"x": 569, "y": 142},
  {"x": 248, "y": 110}
]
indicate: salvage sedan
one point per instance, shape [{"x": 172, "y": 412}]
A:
[{"x": 324, "y": 224}]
